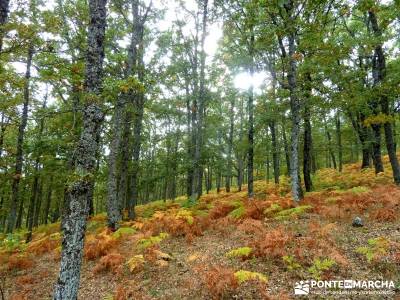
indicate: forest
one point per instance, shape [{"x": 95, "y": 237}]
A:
[{"x": 199, "y": 149}]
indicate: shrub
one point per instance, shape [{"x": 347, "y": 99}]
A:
[
  {"x": 136, "y": 263},
  {"x": 237, "y": 212},
  {"x": 151, "y": 241},
  {"x": 273, "y": 209},
  {"x": 176, "y": 225},
  {"x": 243, "y": 252},
  {"x": 292, "y": 212},
  {"x": 220, "y": 211},
  {"x": 220, "y": 281},
  {"x": 13, "y": 242},
  {"x": 186, "y": 215},
  {"x": 243, "y": 276},
  {"x": 99, "y": 245},
  {"x": 291, "y": 263},
  {"x": 359, "y": 190},
  {"x": 375, "y": 250},
  {"x": 110, "y": 262},
  {"x": 19, "y": 262},
  {"x": 254, "y": 209},
  {"x": 251, "y": 226},
  {"x": 384, "y": 215},
  {"x": 45, "y": 244},
  {"x": 123, "y": 231},
  {"x": 320, "y": 266},
  {"x": 272, "y": 243}
]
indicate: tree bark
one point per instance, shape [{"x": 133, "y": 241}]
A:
[
  {"x": 20, "y": 141},
  {"x": 297, "y": 190},
  {"x": 307, "y": 146},
  {"x": 38, "y": 205},
  {"x": 32, "y": 201},
  {"x": 275, "y": 151},
  {"x": 230, "y": 146},
  {"x": 286, "y": 147},
  {"x": 3, "y": 127},
  {"x": 48, "y": 202},
  {"x": 74, "y": 225},
  {"x": 113, "y": 203},
  {"x": 18, "y": 223},
  {"x": 307, "y": 157},
  {"x": 137, "y": 129},
  {"x": 240, "y": 155},
  {"x": 198, "y": 172},
  {"x": 125, "y": 159},
  {"x": 250, "y": 111},
  {"x": 330, "y": 150},
  {"x": 339, "y": 141},
  {"x": 34, "y": 207},
  {"x": 4, "y": 10},
  {"x": 379, "y": 74}
]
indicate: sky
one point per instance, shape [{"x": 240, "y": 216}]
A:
[{"x": 242, "y": 80}]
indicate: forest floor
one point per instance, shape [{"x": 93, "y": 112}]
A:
[{"x": 227, "y": 246}]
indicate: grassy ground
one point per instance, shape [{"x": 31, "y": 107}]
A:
[{"x": 227, "y": 247}]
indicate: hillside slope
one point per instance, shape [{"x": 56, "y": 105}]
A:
[{"x": 226, "y": 247}]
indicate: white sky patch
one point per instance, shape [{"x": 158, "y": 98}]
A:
[
  {"x": 244, "y": 81},
  {"x": 211, "y": 42}
]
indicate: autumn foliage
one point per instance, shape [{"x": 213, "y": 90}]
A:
[
  {"x": 220, "y": 281},
  {"x": 232, "y": 243},
  {"x": 111, "y": 262},
  {"x": 99, "y": 245}
]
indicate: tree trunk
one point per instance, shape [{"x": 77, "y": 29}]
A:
[
  {"x": 297, "y": 190},
  {"x": 230, "y": 146},
  {"x": 2, "y": 216},
  {"x": 20, "y": 141},
  {"x": 240, "y": 173},
  {"x": 240, "y": 155},
  {"x": 339, "y": 141},
  {"x": 189, "y": 116},
  {"x": 137, "y": 129},
  {"x": 250, "y": 111},
  {"x": 218, "y": 181},
  {"x": 74, "y": 225},
  {"x": 275, "y": 151},
  {"x": 330, "y": 150},
  {"x": 379, "y": 74},
  {"x": 38, "y": 205},
  {"x": 307, "y": 157},
  {"x": 307, "y": 146},
  {"x": 362, "y": 132},
  {"x": 48, "y": 202},
  {"x": 32, "y": 201},
  {"x": 174, "y": 166},
  {"x": 286, "y": 147},
  {"x": 34, "y": 206},
  {"x": 18, "y": 223},
  {"x": 3, "y": 127},
  {"x": 4, "y": 9},
  {"x": 198, "y": 168},
  {"x": 250, "y": 149},
  {"x": 113, "y": 203},
  {"x": 376, "y": 148},
  {"x": 125, "y": 159},
  {"x": 268, "y": 175}
]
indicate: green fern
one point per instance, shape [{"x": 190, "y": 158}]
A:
[{"x": 320, "y": 266}]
